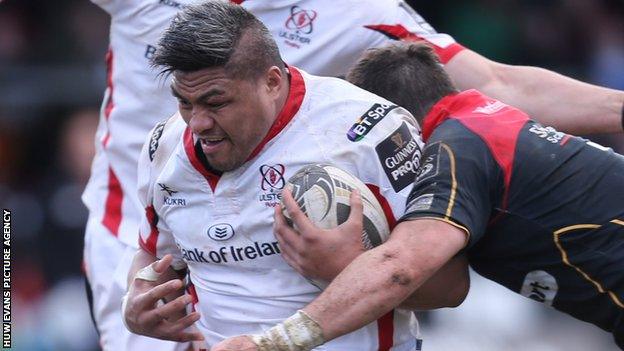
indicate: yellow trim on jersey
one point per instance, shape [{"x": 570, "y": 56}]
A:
[
  {"x": 577, "y": 226},
  {"x": 449, "y": 209},
  {"x": 564, "y": 257},
  {"x": 617, "y": 221}
]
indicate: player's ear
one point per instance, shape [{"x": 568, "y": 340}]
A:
[{"x": 274, "y": 80}]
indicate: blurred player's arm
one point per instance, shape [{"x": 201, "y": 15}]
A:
[{"x": 550, "y": 98}]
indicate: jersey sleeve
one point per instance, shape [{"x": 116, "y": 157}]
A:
[
  {"x": 389, "y": 148},
  {"x": 154, "y": 235},
  {"x": 404, "y": 23},
  {"x": 113, "y": 7},
  {"x": 455, "y": 182}
]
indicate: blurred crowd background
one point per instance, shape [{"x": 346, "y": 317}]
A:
[{"x": 52, "y": 78}]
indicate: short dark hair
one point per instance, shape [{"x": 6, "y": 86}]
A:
[
  {"x": 217, "y": 34},
  {"x": 408, "y": 74}
]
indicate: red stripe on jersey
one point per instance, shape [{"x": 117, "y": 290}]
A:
[
  {"x": 109, "y": 105},
  {"x": 189, "y": 147},
  {"x": 291, "y": 107},
  {"x": 384, "y": 205},
  {"x": 398, "y": 32},
  {"x": 106, "y": 139},
  {"x": 149, "y": 245},
  {"x": 385, "y": 327},
  {"x": 385, "y": 324},
  {"x": 114, "y": 200},
  {"x": 190, "y": 288},
  {"x": 237, "y": 1},
  {"x": 497, "y": 124},
  {"x": 109, "y": 83}
]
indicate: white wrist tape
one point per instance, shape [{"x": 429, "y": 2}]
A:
[
  {"x": 147, "y": 273},
  {"x": 297, "y": 333}
]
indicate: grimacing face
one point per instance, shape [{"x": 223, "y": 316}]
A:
[{"x": 228, "y": 116}]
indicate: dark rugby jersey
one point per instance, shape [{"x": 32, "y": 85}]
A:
[{"x": 544, "y": 210}]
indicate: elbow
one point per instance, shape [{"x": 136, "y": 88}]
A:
[{"x": 457, "y": 294}]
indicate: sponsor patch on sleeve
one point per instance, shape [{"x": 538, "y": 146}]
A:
[
  {"x": 368, "y": 120},
  {"x": 421, "y": 203},
  {"x": 430, "y": 163},
  {"x": 399, "y": 155},
  {"x": 153, "y": 141}
]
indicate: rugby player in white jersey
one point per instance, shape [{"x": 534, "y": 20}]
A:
[
  {"x": 210, "y": 177},
  {"x": 320, "y": 36}
]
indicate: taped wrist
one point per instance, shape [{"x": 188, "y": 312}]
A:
[{"x": 297, "y": 333}]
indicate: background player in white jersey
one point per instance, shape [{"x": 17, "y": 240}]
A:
[
  {"x": 134, "y": 100},
  {"x": 321, "y": 36},
  {"x": 210, "y": 185}
]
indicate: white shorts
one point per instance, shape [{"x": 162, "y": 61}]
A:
[{"x": 107, "y": 262}]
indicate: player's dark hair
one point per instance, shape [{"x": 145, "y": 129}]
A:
[
  {"x": 217, "y": 34},
  {"x": 408, "y": 74}
]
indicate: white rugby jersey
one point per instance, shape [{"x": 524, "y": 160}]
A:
[
  {"x": 323, "y": 37},
  {"x": 221, "y": 227},
  {"x": 135, "y": 99}
]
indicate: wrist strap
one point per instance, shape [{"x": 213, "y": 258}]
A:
[{"x": 297, "y": 333}]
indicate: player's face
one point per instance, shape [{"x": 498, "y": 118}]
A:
[{"x": 229, "y": 116}]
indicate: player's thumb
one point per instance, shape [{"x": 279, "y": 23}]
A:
[
  {"x": 161, "y": 265},
  {"x": 152, "y": 272},
  {"x": 357, "y": 208}
]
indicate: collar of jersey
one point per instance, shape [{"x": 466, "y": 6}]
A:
[
  {"x": 447, "y": 106},
  {"x": 296, "y": 94}
]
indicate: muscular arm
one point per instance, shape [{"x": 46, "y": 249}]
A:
[
  {"x": 322, "y": 254},
  {"x": 360, "y": 295},
  {"x": 552, "y": 99}
]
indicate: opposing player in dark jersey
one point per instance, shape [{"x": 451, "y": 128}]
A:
[{"x": 538, "y": 211}]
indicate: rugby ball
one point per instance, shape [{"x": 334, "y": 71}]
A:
[{"x": 322, "y": 192}]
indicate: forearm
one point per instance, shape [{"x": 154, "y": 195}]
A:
[
  {"x": 548, "y": 97},
  {"x": 357, "y": 297},
  {"x": 567, "y": 104},
  {"x": 362, "y": 294}
]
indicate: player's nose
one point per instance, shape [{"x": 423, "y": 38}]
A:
[{"x": 201, "y": 122}]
